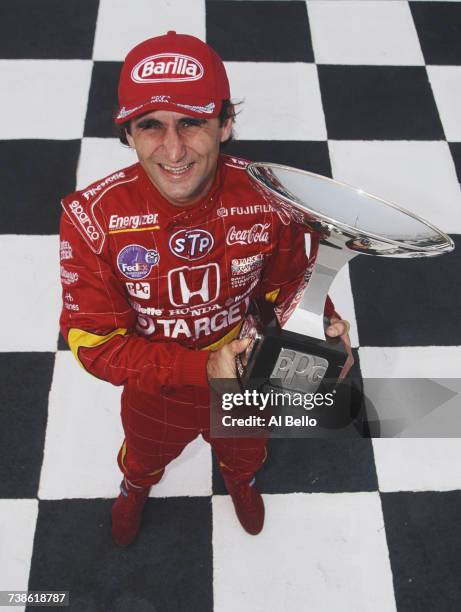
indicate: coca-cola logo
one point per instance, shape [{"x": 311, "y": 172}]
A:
[
  {"x": 256, "y": 234},
  {"x": 167, "y": 68}
]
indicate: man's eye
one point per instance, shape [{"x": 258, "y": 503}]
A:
[
  {"x": 193, "y": 122},
  {"x": 148, "y": 125}
]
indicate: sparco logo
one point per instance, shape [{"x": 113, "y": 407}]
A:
[
  {"x": 84, "y": 220},
  {"x": 255, "y": 234},
  {"x": 191, "y": 243},
  {"x": 167, "y": 68}
]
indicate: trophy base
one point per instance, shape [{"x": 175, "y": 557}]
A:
[{"x": 284, "y": 359}]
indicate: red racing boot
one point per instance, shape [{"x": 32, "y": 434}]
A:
[
  {"x": 248, "y": 503},
  {"x": 127, "y": 513}
]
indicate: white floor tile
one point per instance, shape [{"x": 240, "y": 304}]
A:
[
  {"x": 29, "y": 268},
  {"x": 417, "y": 392},
  {"x": 120, "y": 26},
  {"x": 446, "y": 87},
  {"x": 46, "y": 98},
  {"x": 281, "y": 101},
  {"x": 189, "y": 474},
  {"x": 17, "y": 526},
  {"x": 418, "y": 176},
  {"x": 84, "y": 434},
  {"x": 410, "y": 362},
  {"x": 100, "y": 157},
  {"x": 317, "y": 552},
  {"x": 418, "y": 464},
  {"x": 372, "y": 32}
]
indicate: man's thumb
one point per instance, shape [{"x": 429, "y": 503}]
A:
[{"x": 238, "y": 346}]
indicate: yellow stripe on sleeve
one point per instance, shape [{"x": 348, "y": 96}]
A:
[
  {"x": 78, "y": 338},
  {"x": 232, "y": 335},
  {"x": 272, "y": 295}
]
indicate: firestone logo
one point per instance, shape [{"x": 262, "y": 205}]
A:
[
  {"x": 167, "y": 68},
  {"x": 256, "y": 234}
]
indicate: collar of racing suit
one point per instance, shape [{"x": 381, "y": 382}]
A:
[{"x": 190, "y": 214}]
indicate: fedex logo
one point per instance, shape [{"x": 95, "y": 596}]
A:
[{"x": 194, "y": 285}]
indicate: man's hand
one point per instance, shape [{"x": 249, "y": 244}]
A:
[
  {"x": 340, "y": 329},
  {"x": 221, "y": 363}
]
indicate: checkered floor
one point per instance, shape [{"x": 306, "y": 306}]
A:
[{"x": 366, "y": 92}]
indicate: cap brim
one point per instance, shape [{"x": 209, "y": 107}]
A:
[{"x": 207, "y": 110}]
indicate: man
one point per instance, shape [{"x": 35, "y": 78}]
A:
[{"x": 158, "y": 264}]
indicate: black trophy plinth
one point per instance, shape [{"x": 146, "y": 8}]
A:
[{"x": 284, "y": 359}]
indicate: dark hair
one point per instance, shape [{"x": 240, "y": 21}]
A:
[{"x": 227, "y": 112}]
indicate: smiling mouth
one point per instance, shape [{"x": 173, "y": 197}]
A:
[{"x": 176, "y": 170}]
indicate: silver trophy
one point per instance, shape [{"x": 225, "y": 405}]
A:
[{"x": 349, "y": 222}]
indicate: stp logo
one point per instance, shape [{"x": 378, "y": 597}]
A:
[
  {"x": 194, "y": 286},
  {"x": 191, "y": 243},
  {"x": 299, "y": 371},
  {"x": 167, "y": 68}
]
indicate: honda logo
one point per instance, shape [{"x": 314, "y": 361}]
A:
[{"x": 194, "y": 285}]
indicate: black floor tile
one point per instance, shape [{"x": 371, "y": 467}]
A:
[
  {"x": 266, "y": 31},
  {"x": 168, "y": 568},
  {"x": 379, "y": 103},
  {"x": 455, "y": 148},
  {"x": 313, "y": 466},
  {"x": 438, "y": 25},
  {"x": 49, "y": 29},
  {"x": 44, "y": 171},
  {"x": 102, "y": 100},
  {"x": 26, "y": 382},
  {"x": 408, "y": 302},
  {"x": 424, "y": 540},
  {"x": 311, "y": 156}
]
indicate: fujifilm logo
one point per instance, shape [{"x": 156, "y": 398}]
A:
[{"x": 167, "y": 68}]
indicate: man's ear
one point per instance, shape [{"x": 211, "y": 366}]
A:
[
  {"x": 226, "y": 129},
  {"x": 129, "y": 138}
]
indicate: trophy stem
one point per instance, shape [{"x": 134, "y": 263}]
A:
[{"x": 309, "y": 312}]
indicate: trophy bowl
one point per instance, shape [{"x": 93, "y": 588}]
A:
[{"x": 348, "y": 222}]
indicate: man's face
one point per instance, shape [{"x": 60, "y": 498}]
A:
[{"x": 178, "y": 152}]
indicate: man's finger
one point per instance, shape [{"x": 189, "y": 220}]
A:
[
  {"x": 238, "y": 346},
  {"x": 341, "y": 328}
]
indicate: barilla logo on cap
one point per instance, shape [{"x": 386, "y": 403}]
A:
[{"x": 167, "y": 68}]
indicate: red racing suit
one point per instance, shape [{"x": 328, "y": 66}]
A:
[{"x": 147, "y": 287}]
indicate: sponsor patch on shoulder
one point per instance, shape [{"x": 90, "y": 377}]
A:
[
  {"x": 86, "y": 223},
  {"x": 96, "y": 188},
  {"x": 236, "y": 162}
]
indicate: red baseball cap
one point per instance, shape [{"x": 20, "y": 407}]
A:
[{"x": 174, "y": 72}]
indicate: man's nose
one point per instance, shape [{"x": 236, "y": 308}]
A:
[{"x": 173, "y": 144}]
